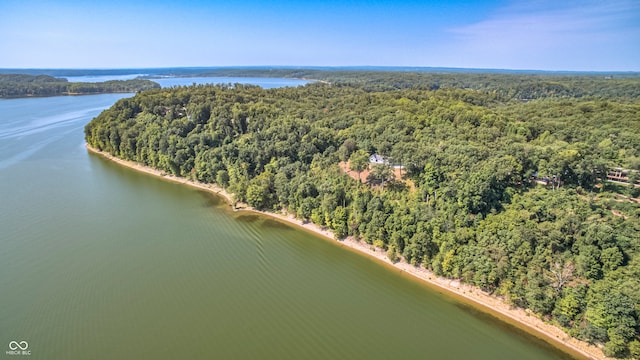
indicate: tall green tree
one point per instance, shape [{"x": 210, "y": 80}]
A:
[{"x": 359, "y": 161}]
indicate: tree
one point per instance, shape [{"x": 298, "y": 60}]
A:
[
  {"x": 429, "y": 181},
  {"x": 339, "y": 222},
  {"x": 256, "y": 196},
  {"x": 612, "y": 311},
  {"x": 222, "y": 178},
  {"x": 359, "y": 161},
  {"x": 559, "y": 274},
  {"x": 346, "y": 149},
  {"x": 382, "y": 173}
]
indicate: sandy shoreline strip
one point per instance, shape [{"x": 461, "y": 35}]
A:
[{"x": 469, "y": 294}]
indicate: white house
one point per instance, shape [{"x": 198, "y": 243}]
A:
[{"x": 378, "y": 159}]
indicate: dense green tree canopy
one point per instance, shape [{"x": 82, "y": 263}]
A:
[{"x": 505, "y": 194}]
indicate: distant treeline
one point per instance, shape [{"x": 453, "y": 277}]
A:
[
  {"x": 21, "y": 85},
  {"x": 506, "y": 85}
]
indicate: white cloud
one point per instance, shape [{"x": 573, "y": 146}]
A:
[{"x": 583, "y": 35}]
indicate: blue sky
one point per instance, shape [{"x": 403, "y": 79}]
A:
[{"x": 582, "y": 35}]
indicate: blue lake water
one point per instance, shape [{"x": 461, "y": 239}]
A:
[{"x": 266, "y": 83}]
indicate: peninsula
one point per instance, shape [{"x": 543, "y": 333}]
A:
[
  {"x": 21, "y": 85},
  {"x": 502, "y": 193}
]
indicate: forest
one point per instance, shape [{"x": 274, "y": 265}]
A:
[
  {"x": 502, "y": 177},
  {"x": 512, "y": 84},
  {"x": 21, "y": 85}
]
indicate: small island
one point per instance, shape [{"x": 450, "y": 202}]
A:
[{"x": 22, "y": 85}]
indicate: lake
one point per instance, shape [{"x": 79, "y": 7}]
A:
[
  {"x": 100, "y": 262},
  {"x": 266, "y": 83}
]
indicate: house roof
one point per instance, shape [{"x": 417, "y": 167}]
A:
[{"x": 376, "y": 158}]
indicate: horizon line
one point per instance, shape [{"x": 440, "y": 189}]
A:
[{"x": 390, "y": 68}]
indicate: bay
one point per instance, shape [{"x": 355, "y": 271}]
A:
[
  {"x": 98, "y": 261},
  {"x": 266, "y": 83}
]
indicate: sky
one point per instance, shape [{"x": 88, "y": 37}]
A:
[{"x": 555, "y": 35}]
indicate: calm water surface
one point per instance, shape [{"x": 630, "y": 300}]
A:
[
  {"x": 266, "y": 83},
  {"x": 100, "y": 262}
]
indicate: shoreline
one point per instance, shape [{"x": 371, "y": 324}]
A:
[
  {"x": 31, "y": 96},
  {"x": 494, "y": 306}
]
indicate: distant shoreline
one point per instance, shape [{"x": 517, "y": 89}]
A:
[
  {"x": 31, "y": 96},
  {"x": 474, "y": 296},
  {"x": 28, "y": 86}
]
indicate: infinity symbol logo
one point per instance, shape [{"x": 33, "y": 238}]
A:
[{"x": 22, "y": 345}]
